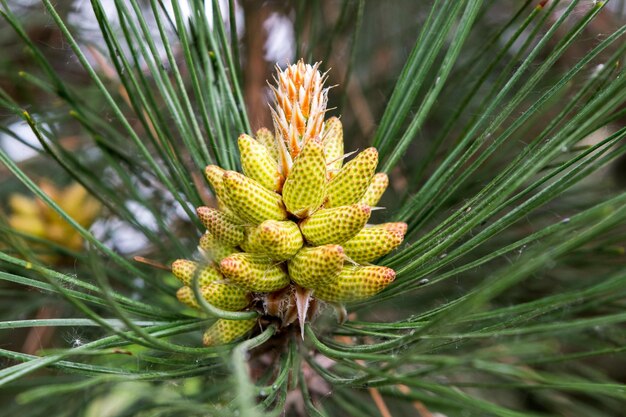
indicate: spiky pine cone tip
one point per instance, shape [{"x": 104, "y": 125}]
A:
[{"x": 292, "y": 229}]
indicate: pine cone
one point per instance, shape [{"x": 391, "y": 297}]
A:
[{"x": 296, "y": 217}]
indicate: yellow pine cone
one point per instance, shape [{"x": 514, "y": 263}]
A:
[
  {"x": 397, "y": 227},
  {"x": 186, "y": 270},
  {"x": 373, "y": 242},
  {"x": 250, "y": 200},
  {"x": 221, "y": 295},
  {"x": 290, "y": 227},
  {"x": 213, "y": 249},
  {"x": 25, "y": 216},
  {"x": 226, "y": 331},
  {"x": 375, "y": 190},
  {"x": 266, "y": 138},
  {"x": 333, "y": 145},
  {"x": 33, "y": 217},
  {"x": 257, "y": 163},
  {"x": 214, "y": 175},
  {"x": 222, "y": 226},
  {"x": 356, "y": 283},
  {"x": 304, "y": 187},
  {"x": 21, "y": 205},
  {"x": 254, "y": 272},
  {"x": 335, "y": 225},
  {"x": 77, "y": 202},
  {"x": 316, "y": 267},
  {"x": 279, "y": 240},
  {"x": 351, "y": 182}
]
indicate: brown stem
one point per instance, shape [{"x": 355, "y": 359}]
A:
[{"x": 256, "y": 69}]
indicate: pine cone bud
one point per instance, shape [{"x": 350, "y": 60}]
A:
[
  {"x": 214, "y": 175},
  {"x": 224, "y": 296},
  {"x": 250, "y": 200},
  {"x": 351, "y": 182},
  {"x": 25, "y": 216},
  {"x": 213, "y": 249},
  {"x": 333, "y": 145},
  {"x": 316, "y": 267},
  {"x": 265, "y": 138},
  {"x": 278, "y": 240},
  {"x": 185, "y": 271},
  {"x": 35, "y": 218},
  {"x": 254, "y": 272},
  {"x": 375, "y": 190},
  {"x": 356, "y": 283},
  {"x": 335, "y": 225},
  {"x": 373, "y": 242},
  {"x": 221, "y": 225},
  {"x": 304, "y": 187},
  {"x": 226, "y": 331},
  {"x": 257, "y": 163},
  {"x": 396, "y": 227}
]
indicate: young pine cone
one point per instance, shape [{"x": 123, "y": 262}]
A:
[
  {"x": 35, "y": 218},
  {"x": 297, "y": 216}
]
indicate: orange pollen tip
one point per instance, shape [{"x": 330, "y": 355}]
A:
[
  {"x": 390, "y": 274},
  {"x": 229, "y": 265}
]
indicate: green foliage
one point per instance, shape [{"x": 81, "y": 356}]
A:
[{"x": 503, "y": 126}]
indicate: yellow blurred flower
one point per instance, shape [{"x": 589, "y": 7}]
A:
[{"x": 34, "y": 217}]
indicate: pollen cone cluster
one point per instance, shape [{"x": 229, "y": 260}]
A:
[
  {"x": 34, "y": 217},
  {"x": 292, "y": 229}
]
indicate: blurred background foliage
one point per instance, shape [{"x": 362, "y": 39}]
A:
[{"x": 500, "y": 123}]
